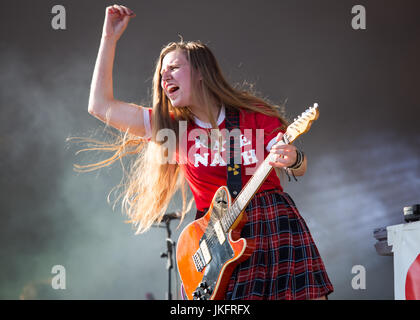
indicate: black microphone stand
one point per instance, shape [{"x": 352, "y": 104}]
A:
[{"x": 169, "y": 254}]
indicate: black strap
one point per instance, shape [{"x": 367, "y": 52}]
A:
[{"x": 234, "y": 177}]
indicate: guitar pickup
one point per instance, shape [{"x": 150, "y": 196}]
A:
[
  {"x": 205, "y": 251},
  {"x": 219, "y": 232},
  {"x": 202, "y": 256}
]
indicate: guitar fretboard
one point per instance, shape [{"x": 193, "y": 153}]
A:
[
  {"x": 299, "y": 126},
  {"x": 248, "y": 191}
]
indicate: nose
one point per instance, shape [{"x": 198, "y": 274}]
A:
[{"x": 165, "y": 75}]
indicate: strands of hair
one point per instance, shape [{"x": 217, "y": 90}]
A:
[{"x": 150, "y": 182}]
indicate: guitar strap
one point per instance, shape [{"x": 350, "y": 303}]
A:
[{"x": 234, "y": 176}]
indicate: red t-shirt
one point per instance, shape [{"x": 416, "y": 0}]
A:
[{"x": 205, "y": 168}]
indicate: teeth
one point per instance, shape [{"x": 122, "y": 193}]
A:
[{"x": 170, "y": 88}]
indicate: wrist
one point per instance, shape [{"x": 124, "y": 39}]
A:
[
  {"x": 109, "y": 38},
  {"x": 300, "y": 157}
]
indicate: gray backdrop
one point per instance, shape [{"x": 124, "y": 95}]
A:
[{"x": 363, "y": 151}]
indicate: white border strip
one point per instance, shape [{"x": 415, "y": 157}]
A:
[
  {"x": 146, "y": 120},
  {"x": 207, "y": 125}
]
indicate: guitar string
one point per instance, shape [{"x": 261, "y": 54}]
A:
[{"x": 211, "y": 236}]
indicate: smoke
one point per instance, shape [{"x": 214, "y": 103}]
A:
[
  {"x": 52, "y": 215},
  {"x": 345, "y": 196},
  {"x": 356, "y": 182}
]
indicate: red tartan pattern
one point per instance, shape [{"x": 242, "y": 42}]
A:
[{"x": 286, "y": 264}]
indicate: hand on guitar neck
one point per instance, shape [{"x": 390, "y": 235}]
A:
[{"x": 285, "y": 156}]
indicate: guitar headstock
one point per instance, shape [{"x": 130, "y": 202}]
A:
[{"x": 302, "y": 123}]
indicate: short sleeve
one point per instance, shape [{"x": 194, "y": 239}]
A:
[{"x": 147, "y": 116}]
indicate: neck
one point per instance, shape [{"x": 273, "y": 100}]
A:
[{"x": 202, "y": 114}]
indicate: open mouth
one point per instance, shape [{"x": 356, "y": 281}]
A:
[{"x": 173, "y": 89}]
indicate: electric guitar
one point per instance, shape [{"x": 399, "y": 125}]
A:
[{"x": 210, "y": 248}]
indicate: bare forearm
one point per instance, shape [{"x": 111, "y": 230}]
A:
[{"x": 101, "y": 90}]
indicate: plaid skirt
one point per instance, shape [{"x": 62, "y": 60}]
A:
[{"x": 286, "y": 263}]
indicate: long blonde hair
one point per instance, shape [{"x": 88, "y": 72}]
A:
[{"x": 151, "y": 182}]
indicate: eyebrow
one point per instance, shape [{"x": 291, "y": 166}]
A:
[{"x": 172, "y": 64}]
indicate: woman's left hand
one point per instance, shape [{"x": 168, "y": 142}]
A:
[{"x": 285, "y": 154}]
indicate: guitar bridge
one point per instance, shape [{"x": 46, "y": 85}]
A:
[{"x": 199, "y": 260}]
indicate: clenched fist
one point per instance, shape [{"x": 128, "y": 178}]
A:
[{"x": 116, "y": 20}]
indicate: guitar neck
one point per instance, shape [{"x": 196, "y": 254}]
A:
[
  {"x": 251, "y": 187},
  {"x": 298, "y": 127}
]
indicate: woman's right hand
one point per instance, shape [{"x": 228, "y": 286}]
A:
[{"x": 116, "y": 20}]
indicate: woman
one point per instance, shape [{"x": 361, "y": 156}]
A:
[{"x": 189, "y": 89}]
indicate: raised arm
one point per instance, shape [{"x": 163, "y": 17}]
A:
[{"x": 102, "y": 104}]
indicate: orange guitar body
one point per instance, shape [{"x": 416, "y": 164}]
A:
[{"x": 206, "y": 258}]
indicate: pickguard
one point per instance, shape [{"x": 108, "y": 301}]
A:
[{"x": 220, "y": 252}]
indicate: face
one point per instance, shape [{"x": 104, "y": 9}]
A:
[{"x": 175, "y": 78}]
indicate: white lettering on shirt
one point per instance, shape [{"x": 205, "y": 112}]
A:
[
  {"x": 249, "y": 157},
  {"x": 218, "y": 160},
  {"x": 201, "y": 159}
]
